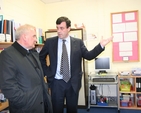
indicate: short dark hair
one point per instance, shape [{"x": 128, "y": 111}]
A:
[{"x": 63, "y": 19}]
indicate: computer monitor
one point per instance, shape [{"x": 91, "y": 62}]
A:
[{"x": 102, "y": 64}]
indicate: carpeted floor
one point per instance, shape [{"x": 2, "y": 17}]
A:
[{"x": 106, "y": 110}]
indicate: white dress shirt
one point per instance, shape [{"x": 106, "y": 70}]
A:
[{"x": 59, "y": 55}]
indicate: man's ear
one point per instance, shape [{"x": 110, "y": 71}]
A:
[
  {"x": 69, "y": 28},
  {"x": 24, "y": 37}
]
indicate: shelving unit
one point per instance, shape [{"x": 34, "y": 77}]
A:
[
  {"x": 112, "y": 104},
  {"x": 7, "y": 44},
  {"x": 134, "y": 94}
]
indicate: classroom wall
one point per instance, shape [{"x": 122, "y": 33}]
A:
[
  {"x": 25, "y": 12},
  {"x": 95, "y": 15}
]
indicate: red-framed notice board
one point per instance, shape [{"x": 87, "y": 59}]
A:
[{"x": 126, "y": 36}]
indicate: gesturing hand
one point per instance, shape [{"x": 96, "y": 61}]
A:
[{"x": 104, "y": 42}]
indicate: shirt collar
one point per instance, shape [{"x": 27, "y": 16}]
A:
[
  {"x": 67, "y": 39},
  {"x": 21, "y": 49}
]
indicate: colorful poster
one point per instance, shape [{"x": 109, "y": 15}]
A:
[{"x": 126, "y": 37}]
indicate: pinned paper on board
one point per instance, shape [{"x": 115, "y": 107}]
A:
[
  {"x": 125, "y": 58},
  {"x": 91, "y": 36},
  {"x": 126, "y": 36},
  {"x": 79, "y": 26}
]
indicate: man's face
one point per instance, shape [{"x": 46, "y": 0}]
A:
[
  {"x": 31, "y": 39},
  {"x": 62, "y": 30}
]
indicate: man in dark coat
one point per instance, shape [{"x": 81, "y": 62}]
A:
[{"x": 21, "y": 75}]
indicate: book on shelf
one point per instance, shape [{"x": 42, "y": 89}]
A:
[
  {"x": 9, "y": 27},
  {"x": 7, "y": 30},
  {"x": 39, "y": 36},
  {"x": 14, "y": 26},
  {"x": 1, "y": 23},
  {"x": 138, "y": 84},
  {"x": 2, "y": 36}
]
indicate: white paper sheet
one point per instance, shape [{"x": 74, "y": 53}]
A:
[
  {"x": 131, "y": 26},
  {"x": 118, "y": 37},
  {"x": 130, "y": 16},
  {"x": 130, "y": 36},
  {"x": 118, "y": 27},
  {"x": 125, "y": 46},
  {"x": 117, "y": 18},
  {"x": 128, "y": 53}
]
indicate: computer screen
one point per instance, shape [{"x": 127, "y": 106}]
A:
[{"x": 102, "y": 64}]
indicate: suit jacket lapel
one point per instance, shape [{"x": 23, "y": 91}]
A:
[
  {"x": 73, "y": 47},
  {"x": 55, "y": 46}
]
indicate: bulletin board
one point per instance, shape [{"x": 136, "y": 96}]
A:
[{"x": 126, "y": 36}]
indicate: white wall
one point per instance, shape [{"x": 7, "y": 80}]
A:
[
  {"x": 95, "y": 14},
  {"x": 25, "y": 12}
]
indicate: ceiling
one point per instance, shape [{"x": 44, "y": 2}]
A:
[{"x": 51, "y": 1}]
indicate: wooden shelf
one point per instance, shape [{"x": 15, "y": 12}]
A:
[
  {"x": 39, "y": 44},
  {"x": 126, "y": 76},
  {"x": 127, "y": 91},
  {"x": 4, "y": 105},
  {"x": 127, "y": 107},
  {"x": 133, "y": 92},
  {"x": 7, "y": 44},
  {"x": 132, "y": 107}
]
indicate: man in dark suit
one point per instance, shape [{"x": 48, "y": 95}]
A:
[
  {"x": 76, "y": 50},
  {"x": 21, "y": 75}
]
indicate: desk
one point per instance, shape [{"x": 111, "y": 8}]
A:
[{"x": 4, "y": 105}]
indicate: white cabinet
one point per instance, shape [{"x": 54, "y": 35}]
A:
[{"x": 106, "y": 93}]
